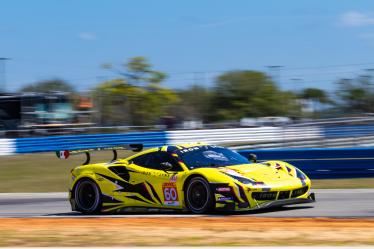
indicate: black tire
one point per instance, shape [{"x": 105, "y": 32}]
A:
[
  {"x": 87, "y": 197},
  {"x": 198, "y": 196}
]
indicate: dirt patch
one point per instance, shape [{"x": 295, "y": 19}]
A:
[{"x": 184, "y": 231}]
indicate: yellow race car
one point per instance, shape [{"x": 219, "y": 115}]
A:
[{"x": 195, "y": 177}]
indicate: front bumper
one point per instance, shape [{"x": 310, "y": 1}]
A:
[
  {"x": 268, "y": 204},
  {"x": 243, "y": 199},
  {"x": 279, "y": 203}
]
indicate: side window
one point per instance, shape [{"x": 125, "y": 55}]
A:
[
  {"x": 142, "y": 160},
  {"x": 164, "y": 157},
  {"x": 155, "y": 159}
]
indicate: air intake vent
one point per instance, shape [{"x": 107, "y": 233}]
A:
[
  {"x": 284, "y": 195},
  {"x": 264, "y": 196},
  {"x": 299, "y": 191}
]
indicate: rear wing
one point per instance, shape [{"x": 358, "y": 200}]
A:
[{"x": 65, "y": 154}]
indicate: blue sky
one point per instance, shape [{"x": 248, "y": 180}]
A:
[{"x": 316, "y": 41}]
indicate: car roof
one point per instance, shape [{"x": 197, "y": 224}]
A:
[
  {"x": 167, "y": 148},
  {"x": 171, "y": 148}
]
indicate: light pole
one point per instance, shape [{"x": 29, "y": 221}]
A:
[{"x": 3, "y": 73}]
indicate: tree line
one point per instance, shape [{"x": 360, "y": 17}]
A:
[{"x": 136, "y": 96}]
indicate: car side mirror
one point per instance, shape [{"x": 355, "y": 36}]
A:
[
  {"x": 252, "y": 158},
  {"x": 165, "y": 166}
]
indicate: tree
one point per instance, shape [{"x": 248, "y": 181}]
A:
[
  {"x": 239, "y": 94},
  {"x": 136, "y": 97},
  {"x": 54, "y": 85},
  {"x": 316, "y": 95},
  {"x": 194, "y": 105},
  {"x": 356, "y": 95},
  {"x": 137, "y": 71},
  {"x": 120, "y": 103},
  {"x": 317, "y": 98}
]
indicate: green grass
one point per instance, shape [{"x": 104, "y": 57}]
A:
[
  {"x": 44, "y": 172},
  {"x": 344, "y": 183}
]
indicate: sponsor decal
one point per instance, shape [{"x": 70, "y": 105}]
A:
[
  {"x": 223, "y": 189},
  {"x": 189, "y": 149},
  {"x": 210, "y": 154},
  {"x": 170, "y": 194},
  {"x": 173, "y": 178},
  {"x": 224, "y": 198}
]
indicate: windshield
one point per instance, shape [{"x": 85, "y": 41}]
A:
[{"x": 210, "y": 156}]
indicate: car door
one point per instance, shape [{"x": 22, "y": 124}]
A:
[{"x": 157, "y": 187}]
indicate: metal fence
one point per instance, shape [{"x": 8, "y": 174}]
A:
[
  {"x": 317, "y": 163},
  {"x": 237, "y": 138},
  {"x": 55, "y": 143}
]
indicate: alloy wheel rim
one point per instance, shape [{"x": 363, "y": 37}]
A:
[
  {"x": 87, "y": 196},
  {"x": 198, "y": 195}
]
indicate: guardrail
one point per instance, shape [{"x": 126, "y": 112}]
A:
[
  {"x": 7, "y": 147},
  {"x": 256, "y": 135},
  {"x": 324, "y": 163},
  {"x": 260, "y": 135},
  {"x": 55, "y": 143}
]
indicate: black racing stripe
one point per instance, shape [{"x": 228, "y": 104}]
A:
[
  {"x": 236, "y": 199},
  {"x": 121, "y": 171},
  {"x": 139, "y": 188},
  {"x": 110, "y": 208},
  {"x": 154, "y": 192},
  {"x": 241, "y": 192},
  {"x": 109, "y": 199},
  {"x": 134, "y": 197}
]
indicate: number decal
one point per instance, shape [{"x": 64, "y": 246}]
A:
[{"x": 170, "y": 194}]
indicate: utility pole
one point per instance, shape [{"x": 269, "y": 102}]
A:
[{"x": 3, "y": 74}]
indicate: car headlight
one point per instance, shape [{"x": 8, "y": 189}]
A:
[
  {"x": 300, "y": 174},
  {"x": 241, "y": 179}
]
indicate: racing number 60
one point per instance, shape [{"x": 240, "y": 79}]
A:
[{"x": 170, "y": 194}]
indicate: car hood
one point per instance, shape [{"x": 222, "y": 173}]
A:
[{"x": 262, "y": 174}]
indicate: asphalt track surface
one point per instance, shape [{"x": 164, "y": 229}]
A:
[{"x": 330, "y": 203}]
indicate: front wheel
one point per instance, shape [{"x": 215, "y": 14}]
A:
[
  {"x": 87, "y": 197},
  {"x": 198, "y": 196}
]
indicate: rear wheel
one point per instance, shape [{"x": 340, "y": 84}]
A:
[
  {"x": 198, "y": 196},
  {"x": 87, "y": 197}
]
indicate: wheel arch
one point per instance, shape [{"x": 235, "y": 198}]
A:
[{"x": 190, "y": 177}]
